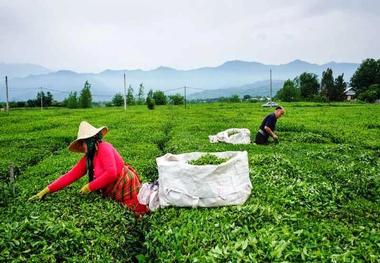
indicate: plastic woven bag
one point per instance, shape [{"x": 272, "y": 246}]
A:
[
  {"x": 148, "y": 195},
  {"x": 233, "y": 136},
  {"x": 185, "y": 185}
]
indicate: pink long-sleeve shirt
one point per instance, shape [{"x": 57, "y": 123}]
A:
[{"x": 108, "y": 165}]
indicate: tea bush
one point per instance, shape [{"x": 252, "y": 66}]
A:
[
  {"x": 208, "y": 159},
  {"x": 315, "y": 194}
]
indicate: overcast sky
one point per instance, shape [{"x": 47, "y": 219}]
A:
[{"x": 96, "y": 35}]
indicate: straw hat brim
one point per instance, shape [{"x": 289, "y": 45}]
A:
[{"x": 76, "y": 145}]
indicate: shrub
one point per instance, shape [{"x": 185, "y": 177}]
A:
[
  {"x": 159, "y": 97},
  {"x": 150, "y": 103},
  {"x": 371, "y": 94},
  {"x": 118, "y": 100},
  {"x": 176, "y": 99}
]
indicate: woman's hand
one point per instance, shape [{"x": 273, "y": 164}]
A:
[
  {"x": 85, "y": 189},
  {"x": 40, "y": 195}
]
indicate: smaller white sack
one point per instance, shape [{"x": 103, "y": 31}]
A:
[
  {"x": 148, "y": 195},
  {"x": 233, "y": 136},
  {"x": 144, "y": 194},
  {"x": 154, "y": 202}
]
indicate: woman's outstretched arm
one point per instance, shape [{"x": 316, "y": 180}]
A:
[{"x": 74, "y": 174}]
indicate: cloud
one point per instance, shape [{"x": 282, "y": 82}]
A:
[
  {"x": 94, "y": 35},
  {"x": 323, "y": 7}
]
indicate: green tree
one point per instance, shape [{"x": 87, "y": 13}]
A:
[
  {"x": 150, "y": 100},
  {"x": 371, "y": 94},
  {"x": 366, "y": 75},
  {"x": 31, "y": 103},
  {"x": 118, "y": 99},
  {"x": 308, "y": 85},
  {"x": 177, "y": 99},
  {"x": 49, "y": 99},
  {"x": 140, "y": 94},
  {"x": 234, "y": 98},
  {"x": 130, "y": 97},
  {"x": 289, "y": 92},
  {"x": 339, "y": 87},
  {"x": 20, "y": 104},
  {"x": 327, "y": 84},
  {"x": 159, "y": 97},
  {"x": 38, "y": 99},
  {"x": 85, "y": 98},
  {"x": 71, "y": 101}
]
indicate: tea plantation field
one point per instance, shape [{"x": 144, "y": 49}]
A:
[{"x": 315, "y": 196}]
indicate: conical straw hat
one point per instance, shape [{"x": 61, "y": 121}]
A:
[{"x": 85, "y": 131}]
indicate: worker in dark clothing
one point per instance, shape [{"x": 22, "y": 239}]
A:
[{"x": 268, "y": 126}]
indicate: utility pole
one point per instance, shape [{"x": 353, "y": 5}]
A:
[
  {"x": 125, "y": 93},
  {"x": 185, "y": 95},
  {"x": 42, "y": 98},
  {"x": 6, "y": 90},
  {"x": 270, "y": 87}
]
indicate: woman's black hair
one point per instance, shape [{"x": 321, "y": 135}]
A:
[{"x": 92, "y": 144}]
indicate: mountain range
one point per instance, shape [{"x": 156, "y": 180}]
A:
[
  {"x": 232, "y": 77},
  {"x": 258, "y": 88}
]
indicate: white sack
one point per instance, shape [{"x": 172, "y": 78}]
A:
[
  {"x": 185, "y": 185},
  {"x": 148, "y": 195},
  {"x": 154, "y": 201},
  {"x": 234, "y": 136},
  {"x": 144, "y": 194}
]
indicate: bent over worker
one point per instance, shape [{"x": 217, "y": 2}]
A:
[
  {"x": 105, "y": 168},
  {"x": 268, "y": 126}
]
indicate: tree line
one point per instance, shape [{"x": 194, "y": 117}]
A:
[
  {"x": 84, "y": 99},
  {"x": 153, "y": 98},
  {"x": 365, "y": 82},
  {"x": 305, "y": 87},
  {"x": 47, "y": 100}
]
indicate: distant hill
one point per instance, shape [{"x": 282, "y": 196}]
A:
[
  {"x": 222, "y": 78},
  {"x": 258, "y": 88},
  {"x": 13, "y": 70}
]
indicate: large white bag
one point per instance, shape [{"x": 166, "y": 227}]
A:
[
  {"x": 234, "y": 136},
  {"x": 185, "y": 185}
]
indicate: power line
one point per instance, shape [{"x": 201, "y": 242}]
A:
[
  {"x": 170, "y": 90},
  {"x": 67, "y": 92},
  {"x": 60, "y": 91},
  {"x": 199, "y": 89},
  {"x": 54, "y": 90},
  {"x": 23, "y": 89},
  {"x": 94, "y": 94}
]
